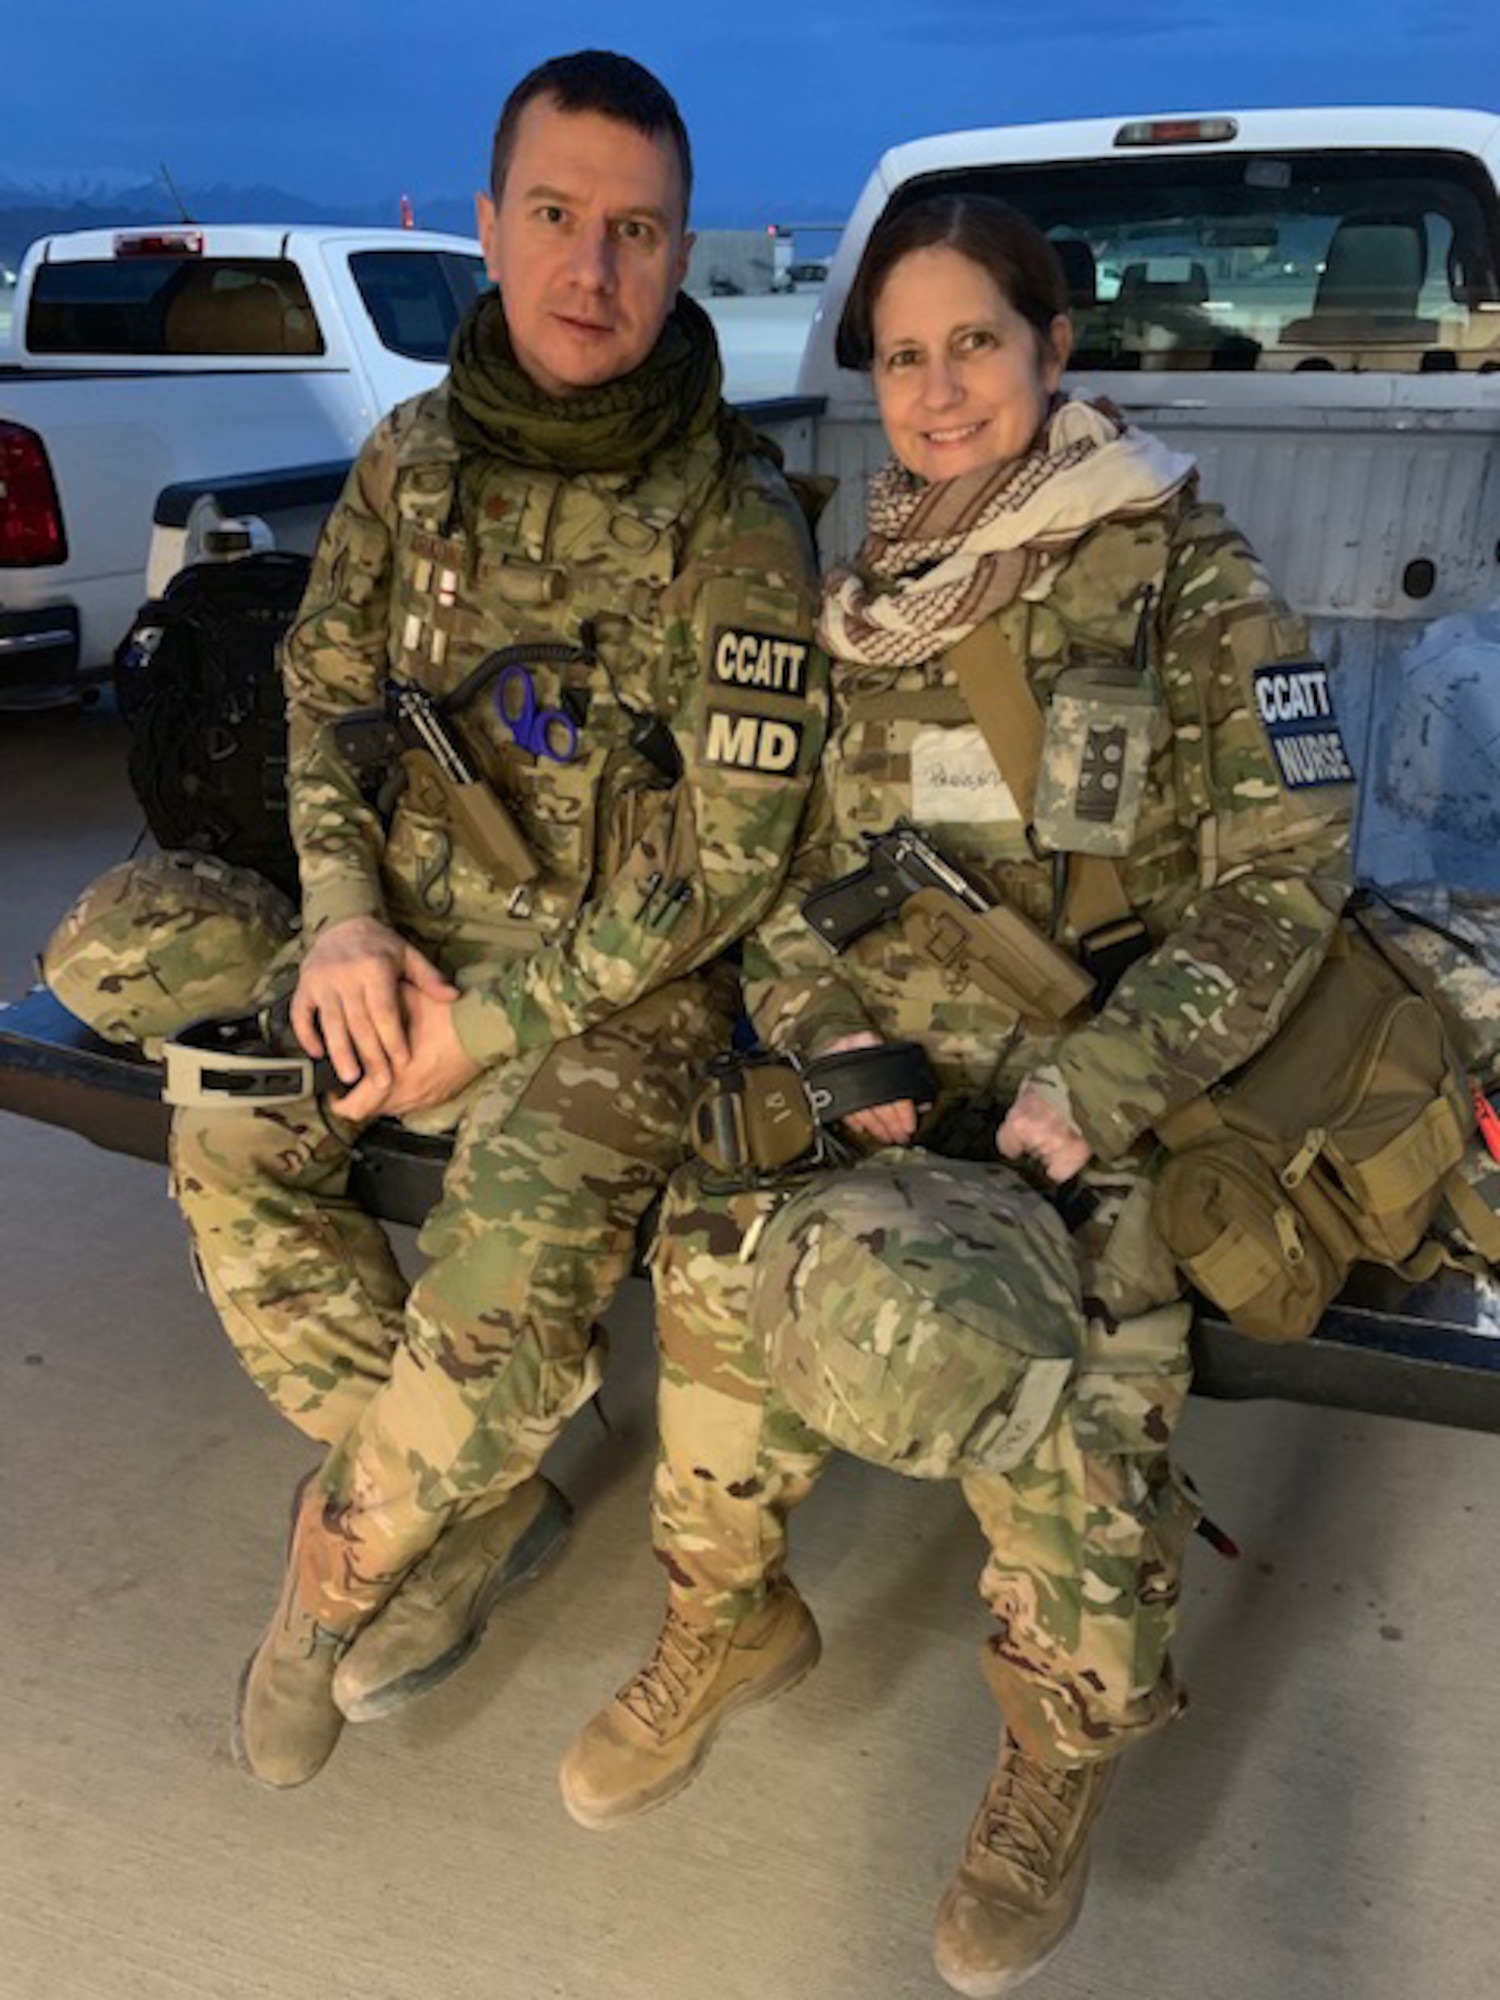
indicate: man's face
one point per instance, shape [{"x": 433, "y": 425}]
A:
[{"x": 587, "y": 243}]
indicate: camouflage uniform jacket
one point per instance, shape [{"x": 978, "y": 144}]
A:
[
  {"x": 698, "y": 578},
  {"x": 1237, "y": 876}
]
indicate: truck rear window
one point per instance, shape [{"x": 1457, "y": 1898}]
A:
[
  {"x": 171, "y": 305},
  {"x": 417, "y": 297},
  {"x": 1363, "y": 261}
]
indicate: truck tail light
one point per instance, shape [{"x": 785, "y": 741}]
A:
[
  {"x": 159, "y": 243},
  {"x": 1177, "y": 132},
  {"x": 31, "y": 528}
]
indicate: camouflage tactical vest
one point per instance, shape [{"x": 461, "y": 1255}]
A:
[
  {"x": 906, "y": 745},
  {"x": 549, "y": 556}
]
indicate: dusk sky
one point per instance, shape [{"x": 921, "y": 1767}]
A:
[{"x": 789, "y": 101}]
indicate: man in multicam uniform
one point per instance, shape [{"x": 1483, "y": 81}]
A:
[
  {"x": 1238, "y": 880},
  {"x": 578, "y": 479}
]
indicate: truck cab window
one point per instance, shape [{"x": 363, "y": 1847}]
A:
[
  {"x": 155, "y": 306},
  {"x": 417, "y": 297},
  {"x": 1358, "y": 261}
]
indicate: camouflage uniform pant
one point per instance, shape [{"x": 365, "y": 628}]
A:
[
  {"x": 440, "y": 1401},
  {"x": 1085, "y": 1537}
]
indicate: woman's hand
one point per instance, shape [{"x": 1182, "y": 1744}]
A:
[
  {"x": 347, "y": 1005},
  {"x": 1036, "y": 1125},
  {"x": 893, "y": 1124}
]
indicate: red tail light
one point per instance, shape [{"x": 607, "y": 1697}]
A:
[{"x": 31, "y": 529}]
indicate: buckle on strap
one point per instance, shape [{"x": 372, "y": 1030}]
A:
[
  {"x": 1109, "y": 950},
  {"x": 225, "y": 1064}
]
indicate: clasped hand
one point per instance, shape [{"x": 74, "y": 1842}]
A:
[
  {"x": 1035, "y": 1126},
  {"x": 1032, "y": 1126},
  {"x": 893, "y": 1124},
  {"x": 382, "y": 1013}
]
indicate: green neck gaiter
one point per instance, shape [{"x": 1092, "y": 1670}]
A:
[{"x": 497, "y": 411}]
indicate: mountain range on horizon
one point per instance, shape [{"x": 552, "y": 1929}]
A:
[{"x": 33, "y": 208}]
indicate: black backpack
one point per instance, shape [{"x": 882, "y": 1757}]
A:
[{"x": 200, "y": 693}]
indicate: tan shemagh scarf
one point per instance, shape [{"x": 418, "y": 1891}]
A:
[{"x": 938, "y": 559}]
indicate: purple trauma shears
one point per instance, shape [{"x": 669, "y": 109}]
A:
[{"x": 541, "y": 732}]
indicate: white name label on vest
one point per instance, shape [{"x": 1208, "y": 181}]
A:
[
  {"x": 751, "y": 742},
  {"x": 1295, "y": 704},
  {"x": 759, "y": 660},
  {"x": 955, "y": 779}
]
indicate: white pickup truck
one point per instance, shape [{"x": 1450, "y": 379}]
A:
[
  {"x": 143, "y": 357},
  {"x": 1310, "y": 302}
]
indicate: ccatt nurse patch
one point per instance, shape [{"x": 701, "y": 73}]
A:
[{"x": 1296, "y": 706}]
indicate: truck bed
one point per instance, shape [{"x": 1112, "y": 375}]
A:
[{"x": 1430, "y": 1351}]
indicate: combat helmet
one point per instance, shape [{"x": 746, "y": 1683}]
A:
[
  {"x": 922, "y": 1313},
  {"x": 165, "y": 940}
]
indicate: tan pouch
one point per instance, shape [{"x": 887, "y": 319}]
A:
[
  {"x": 1386, "y": 1157},
  {"x": 1333, "y": 1146},
  {"x": 1243, "y": 1242}
]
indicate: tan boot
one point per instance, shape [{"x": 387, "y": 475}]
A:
[
  {"x": 438, "y": 1616},
  {"x": 285, "y": 1722},
  {"x": 1019, "y": 1887},
  {"x": 651, "y": 1739}
]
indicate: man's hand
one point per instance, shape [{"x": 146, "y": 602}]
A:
[
  {"x": 436, "y": 1066},
  {"x": 1035, "y": 1125},
  {"x": 893, "y": 1124},
  {"x": 347, "y": 1005}
]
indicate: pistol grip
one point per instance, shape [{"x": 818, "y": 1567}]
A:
[{"x": 841, "y": 911}]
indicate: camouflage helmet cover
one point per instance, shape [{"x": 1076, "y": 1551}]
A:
[
  {"x": 164, "y": 940},
  {"x": 919, "y": 1312}
]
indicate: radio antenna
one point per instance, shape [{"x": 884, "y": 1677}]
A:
[{"x": 166, "y": 174}]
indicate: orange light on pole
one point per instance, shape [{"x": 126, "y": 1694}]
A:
[{"x": 408, "y": 215}]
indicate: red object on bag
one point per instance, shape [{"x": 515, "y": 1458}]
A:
[{"x": 1489, "y": 1122}]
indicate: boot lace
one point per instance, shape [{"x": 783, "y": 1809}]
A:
[
  {"x": 1027, "y": 1813},
  {"x": 661, "y": 1690}
]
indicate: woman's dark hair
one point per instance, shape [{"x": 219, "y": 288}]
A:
[
  {"x": 596, "y": 80},
  {"x": 991, "y": 233}
]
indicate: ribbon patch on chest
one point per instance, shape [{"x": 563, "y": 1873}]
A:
[{"x": 1295, "y": 704}]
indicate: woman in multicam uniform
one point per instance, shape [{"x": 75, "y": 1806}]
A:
[{"x": 1078, "y": 548}]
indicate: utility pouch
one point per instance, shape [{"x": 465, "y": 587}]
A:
[
  {"x": 999, "y": 951},
  {"x": 1334, "y": 1146},
  {"x": 476, "y": 817},
  {"x": 1101, "y": 731},
  {"x": 1243, "y": 1242}
]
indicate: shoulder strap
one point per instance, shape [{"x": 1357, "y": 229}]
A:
[{"x": 992, "y": 679}]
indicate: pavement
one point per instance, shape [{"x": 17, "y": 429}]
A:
[{"x": 1321, "y": 1825}]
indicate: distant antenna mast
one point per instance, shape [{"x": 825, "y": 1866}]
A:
[
  {"x": 182, "y": 210},
  {"x": 408, "y": 213}
]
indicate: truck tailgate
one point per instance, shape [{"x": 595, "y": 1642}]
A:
[{"x": 1431, "y": 1352}]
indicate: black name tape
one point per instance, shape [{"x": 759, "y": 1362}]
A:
[
  {"x": 769, "y": 660},
  {"x": 1295, "y": 705}
]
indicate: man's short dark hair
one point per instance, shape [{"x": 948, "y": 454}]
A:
[{"x": 595, "y": 80}]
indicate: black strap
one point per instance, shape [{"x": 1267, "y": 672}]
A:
[{"x": 854, "y": 1079}]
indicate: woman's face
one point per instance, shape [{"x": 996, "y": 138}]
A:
[{"x": 960, "y": 377}]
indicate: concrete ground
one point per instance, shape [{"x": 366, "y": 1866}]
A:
[{"x": 1321, "y": 1826}]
